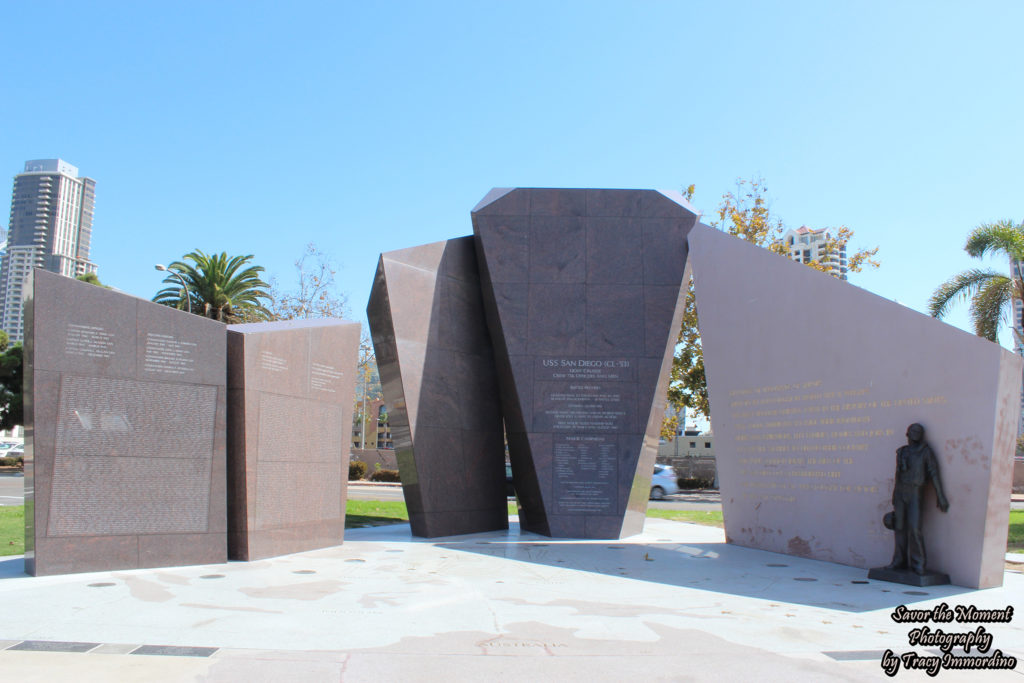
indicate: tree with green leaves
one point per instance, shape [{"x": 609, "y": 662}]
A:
[
  {"x": 11, "y": 377},
  {"x": 990, "y": 292},
  {"x": 92, "y": 279},
  {"x": 746, "y": 214},
  {"x": 223, "y": 288}
]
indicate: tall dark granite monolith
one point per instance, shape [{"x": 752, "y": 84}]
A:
[
  {"x": 437, "y": 373},
  {"x": 582, "y": 293},
  {"x": 290, "y": 390},
  {"x": 125, "y": 432}
]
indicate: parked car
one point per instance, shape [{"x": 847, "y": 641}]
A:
[{"x": 663, "y": 483}]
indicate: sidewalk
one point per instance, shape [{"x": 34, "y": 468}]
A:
[{"x": 674, "y": 603}]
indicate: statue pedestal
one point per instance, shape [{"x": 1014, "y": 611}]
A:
[{"x": 911, "y": 578}]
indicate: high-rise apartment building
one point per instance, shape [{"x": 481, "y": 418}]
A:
[
  {"x": 1017, "y": 325},
  {"x": 50, "y": 228},
  {"x": 806, "y": 245}
]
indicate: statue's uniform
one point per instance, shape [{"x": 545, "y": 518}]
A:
[{"x": 915, "y": 465}]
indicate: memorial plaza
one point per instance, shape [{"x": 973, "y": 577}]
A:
[
  {"x": 186, "y": 489},
  {"x": 674, "y": 603}
]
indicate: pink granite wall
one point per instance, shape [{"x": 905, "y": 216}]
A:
[
  {"x": 813, "y": 382},
  {"x": 291, "y": 387},
  {"x": 125, "y": 432}
]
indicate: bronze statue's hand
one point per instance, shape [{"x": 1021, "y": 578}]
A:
[{"x": 943, "y": 505}]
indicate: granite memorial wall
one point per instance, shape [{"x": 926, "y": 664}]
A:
[
  {"x": 290, "y": 391},
  {"x": 582, "y": 296},
  {"x": 437, "y": 373},
  {"x": 812, "y": 384},
  {"x": 125, "y": 432}
]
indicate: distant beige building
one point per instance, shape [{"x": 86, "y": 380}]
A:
[
  {"x": 690, "y": 455},
  {"x": 378, "y": 431}
]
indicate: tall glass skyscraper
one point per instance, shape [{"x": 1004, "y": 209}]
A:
[{"x": 50, "y": 227}]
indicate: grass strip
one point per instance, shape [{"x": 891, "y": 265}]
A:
[
  {"x": 363, "y": 513},
  {"x": 705, "y": 517},
  {"x": 12, "y": 530},
  {"x": 1015, "y": 542}
]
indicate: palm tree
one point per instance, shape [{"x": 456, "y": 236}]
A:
[
  {"x": 218, "y": 287},
  {"x": 991, "y": 293}
]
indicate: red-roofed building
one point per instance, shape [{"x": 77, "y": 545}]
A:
[{"x": 806, "y": 245}]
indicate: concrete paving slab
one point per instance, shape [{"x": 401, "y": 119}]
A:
[{"x": 674, "y": 603}]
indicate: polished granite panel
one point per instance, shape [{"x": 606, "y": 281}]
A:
[
  {"x": 437, "y": 372},
  {"x": 291, "y": 392},
  {"x": 808, "y": 412},
  {"x": 581, "y": 292},
  {"x": 125, "y": 450}
]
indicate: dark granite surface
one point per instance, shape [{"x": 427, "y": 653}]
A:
[
  {"x": 581, "y": 292},
  {"x": 291, "y": 387},
  {"x": 437, "y": 373},
  {"x": 907, "y": 577},
  {"x": 125, "y": 432}
]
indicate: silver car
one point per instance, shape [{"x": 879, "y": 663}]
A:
[{"x": 663, "y": 483}]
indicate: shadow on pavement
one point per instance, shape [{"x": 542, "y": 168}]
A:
[
  {"x": 12, "y": 567},
  {"x": 716, "y": 567}
]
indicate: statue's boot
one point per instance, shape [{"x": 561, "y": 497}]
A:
[{"x": 899, "y": 553}]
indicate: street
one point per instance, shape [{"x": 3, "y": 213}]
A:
[
  {"x": 12, "y": 490},
  {"x": 374, "y": 492}
]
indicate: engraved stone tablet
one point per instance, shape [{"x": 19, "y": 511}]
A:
[
  {"x": 291, "y": 385},
  {"x": 437, "y": 372},
  {"x": 125, "y": 424},
  {"x": 812, "y": 384},
  {"x": 581, "y": 289}
]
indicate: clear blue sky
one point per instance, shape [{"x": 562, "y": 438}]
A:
[{"x": 257, "y": 127}]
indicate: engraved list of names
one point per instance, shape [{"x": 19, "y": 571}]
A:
[
  {"x": 323, "y": 377},
  {"x": 89, "y": 340},
  {"x": 169, "y": 355}
]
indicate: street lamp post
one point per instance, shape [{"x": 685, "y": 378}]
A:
[
  {"x": 188, "y": 298},
  {"x": 362, "y": 429}
]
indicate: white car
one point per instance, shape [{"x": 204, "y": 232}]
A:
[{"x": 663, "y": 483}]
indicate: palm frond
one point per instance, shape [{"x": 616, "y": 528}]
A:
[
  {"x": 219, "y": 287},
  {"x": 989, "y": 305},
  {"x": 994, "y": 238},
  {"x": 960, "y": 287}
]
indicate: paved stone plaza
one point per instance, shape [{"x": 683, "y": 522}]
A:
[{"x": 675, "y": 603}]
